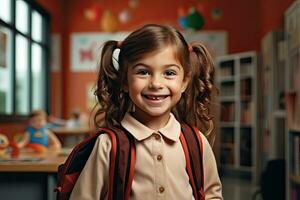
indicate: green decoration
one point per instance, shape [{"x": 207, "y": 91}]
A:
[{"x": 195, "y": 20}]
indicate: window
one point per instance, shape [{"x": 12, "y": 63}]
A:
[
  {"x": 5, "y": 10},
  {"x": 24, "y": 50}
]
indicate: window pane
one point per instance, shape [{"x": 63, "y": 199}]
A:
[
  {"x": 22, "y": 16},
  {"x": 38, "y": 78},
  {"x": 5, "y": 72},
  {"x": 22, "y": 75},
  {"x": 5, "y": 10},
  {"x": 37, "y": 26}
]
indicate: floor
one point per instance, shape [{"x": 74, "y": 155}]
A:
[{"x": 237, "y": 189}]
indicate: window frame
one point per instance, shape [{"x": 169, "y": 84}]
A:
[{"x": 33, "y": 6}]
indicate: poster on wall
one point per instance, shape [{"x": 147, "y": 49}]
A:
[
  {"x": 214, "y": 41},
  {"x": 55, "y": 52},
  {"x": 86, "y": 49},
  {"x": 3, "y": 49}
]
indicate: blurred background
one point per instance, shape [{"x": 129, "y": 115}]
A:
[{"x": 48, "y": 55}]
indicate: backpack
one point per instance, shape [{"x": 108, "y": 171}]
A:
[{"x": 122, "y": 161}]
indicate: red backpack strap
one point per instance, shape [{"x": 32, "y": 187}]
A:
[
  {"x": 122, "y": 160},
  {"x": 121, "y": 165},
  {"x": 194, "y": 158},
  {"x": 69, "y": 172}
]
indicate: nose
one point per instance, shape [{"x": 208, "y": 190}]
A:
[{"x": 155, "y": 83}]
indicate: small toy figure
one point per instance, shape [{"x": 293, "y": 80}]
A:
[{"x": 37, "y": 136}]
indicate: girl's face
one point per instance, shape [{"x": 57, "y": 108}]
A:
[{"x": 155, "y": 84}]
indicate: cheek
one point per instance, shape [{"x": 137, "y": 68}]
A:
[
  {"x": 135, "y": 88},
  {"x": 176, "y": 87}
]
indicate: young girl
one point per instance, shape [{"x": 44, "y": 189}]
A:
[{"x": 160, "y": 82}]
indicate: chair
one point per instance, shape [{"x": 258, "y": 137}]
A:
[{"x": 272, "y": 182}]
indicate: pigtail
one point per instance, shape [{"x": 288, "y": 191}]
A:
[
  {"x": 108, "y": 87},
  {"x": 201, "y": 87}
]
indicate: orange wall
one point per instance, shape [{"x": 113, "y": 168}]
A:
[
  {"x": 272, "y": 15},
  {"x": 54, "y": 8},
  {"x": 239, "y": 17}
]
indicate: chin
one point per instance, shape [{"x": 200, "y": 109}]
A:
[{"x": 158, "y": 112}]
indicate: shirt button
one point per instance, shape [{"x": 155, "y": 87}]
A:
[
  {"x": 161, "y": 189},
  {"x": 157, "y": 137},
  {"x": 159, "y": 157}
]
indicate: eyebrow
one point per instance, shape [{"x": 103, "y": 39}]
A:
[{"x": 148, "y": 66}]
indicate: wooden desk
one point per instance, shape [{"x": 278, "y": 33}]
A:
[
  {"x": 47, "y": 162},
  {"x": 34, "y": 180}
]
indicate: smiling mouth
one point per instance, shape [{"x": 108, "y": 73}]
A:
[{"x": 156, "y": 97}]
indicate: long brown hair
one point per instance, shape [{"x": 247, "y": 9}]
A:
[{"x": 193, "y": 107}]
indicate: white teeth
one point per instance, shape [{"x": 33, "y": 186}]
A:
[{"x": 155, "y": 97}]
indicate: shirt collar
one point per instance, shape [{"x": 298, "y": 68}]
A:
[{"x": 141, "y": 132}]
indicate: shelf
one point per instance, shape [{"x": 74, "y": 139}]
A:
[
  {"x": 227, "y": 98},
  {"x": 227, "y": 124},
  {"x": 279, "y": 113},
  {"x": 244, "y": 125},
  {"x": 295, "y": 179},
  {"x": 226, "y": 79},
  {"x": 291, "y": 97},
  {"x": 246, "y": 98},
  {"x": 238, "y": 112},
  {"x": 246, "y": 76}
]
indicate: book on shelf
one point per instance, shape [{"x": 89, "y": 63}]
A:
[
  {"x": 246, "y": 66},
  {"x": 295, "y": 71},
  {"x": 226, "y": 71},
  {"x": 228, "y": 112},
  {"x": 227, "y": 135},
  {"x": 246, "y": 87},
  {"x": 246, "y": 112},
  {"x": 245, "y": 147},
  {"x": 227, "y": 89},
  {"x": 293, "y": 110},
  {"x": 227, "y": 156}
]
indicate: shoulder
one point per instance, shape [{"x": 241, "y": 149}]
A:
[
  {"x": 103, "y": 142},
  {"x": 207, "y": 149},
  {"x": 204, "y": 139}
]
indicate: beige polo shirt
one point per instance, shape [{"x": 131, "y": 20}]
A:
[{"x": 160, "y": 168}]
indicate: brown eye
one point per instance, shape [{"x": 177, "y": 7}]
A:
[
  {"x": 143, "y": 72},
  {"x": 170, "y": 73}
]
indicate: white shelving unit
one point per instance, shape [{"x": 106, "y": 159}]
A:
[
  {"x": 273, "y": 89},
  {"x": 238, "y": 127},
  {"x": 292, "y": 35}
]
